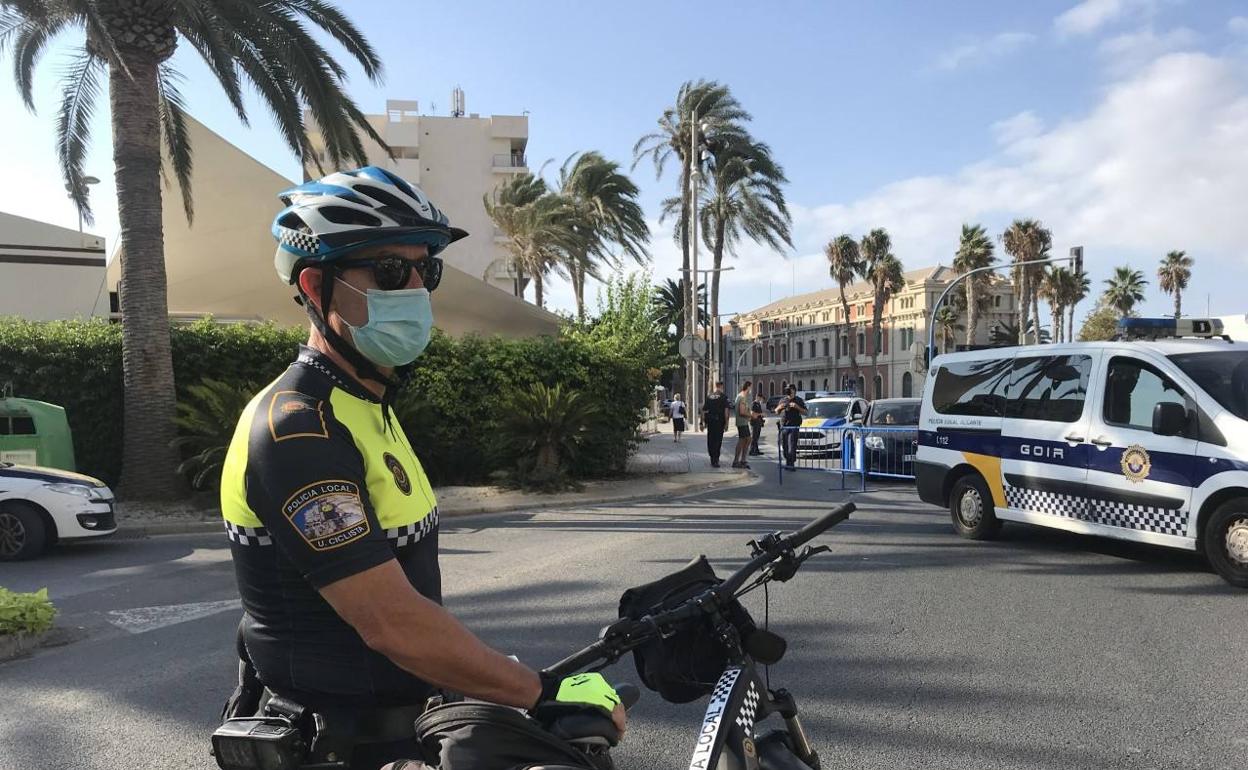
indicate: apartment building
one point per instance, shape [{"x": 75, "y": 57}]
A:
[
  {"x": 456, "y": 159},
  {"x": 805, "y": 340}
]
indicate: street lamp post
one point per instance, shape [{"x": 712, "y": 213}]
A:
[
  {"x": 713, "y": 334},
  {"x": 87, "y": 181},
  {"x": 1076, "y": 258}
]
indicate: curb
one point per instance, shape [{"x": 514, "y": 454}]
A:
[
  {"x": 207, "y": 527},
  {"x": 16, "y": 645}
]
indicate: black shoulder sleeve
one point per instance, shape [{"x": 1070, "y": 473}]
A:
[{"x": 306, "y": 482}]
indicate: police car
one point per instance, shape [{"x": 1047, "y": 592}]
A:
[
  {"x": 825, "y": 421},
  {"x": 1143, "y": 439},
  {"x": 40, "y": 506}
]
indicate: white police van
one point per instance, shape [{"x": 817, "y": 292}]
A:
[{"x": 1142, "y": 439}]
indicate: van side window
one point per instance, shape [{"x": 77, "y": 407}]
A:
[
  {"x": 972, "y": 388},
  {"x": 1132, "y": 389},
  {"x": 1051, "y": 388}
]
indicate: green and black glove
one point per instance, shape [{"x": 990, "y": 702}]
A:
[{"x": 578, "y": 705}]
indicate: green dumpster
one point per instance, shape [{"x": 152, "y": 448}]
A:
[{"x": 35, "y": 433}]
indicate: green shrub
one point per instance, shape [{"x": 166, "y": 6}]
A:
[
  {"x": 25, "y": 613},
  {"x": 206, "y": 418},
  {"x": 543, "y": 432},
  {"x": 452, "y": 409}
]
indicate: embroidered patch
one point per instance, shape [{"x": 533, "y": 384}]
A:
[
  {"x": 328, "y": 514},
  {"x": 400, "y": 475},
  {"x": 296, "y": 415}
]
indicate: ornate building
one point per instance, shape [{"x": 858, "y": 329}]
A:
[{"x": 805, "y": 340}]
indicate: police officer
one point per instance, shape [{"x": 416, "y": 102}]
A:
[{"x": 332, "y": 521}]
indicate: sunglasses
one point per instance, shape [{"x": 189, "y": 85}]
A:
[{"x": 391, "y": 273}]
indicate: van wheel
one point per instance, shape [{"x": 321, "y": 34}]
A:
[
  {"x": 22, "y": 532},
  {"x": 1226, "y": 541},
  {"x": 970, "y": 505}
]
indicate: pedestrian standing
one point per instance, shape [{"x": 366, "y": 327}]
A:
[
  {"x": 741, "y": 409},
  {"x": 792, "y": 409},
  {"x": 757, "y": 421},
  {"x": 715, "y": 415},
  {"x": 678, "y": 416}
]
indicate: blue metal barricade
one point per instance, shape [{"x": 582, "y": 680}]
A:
[{"x": 878, "y": 451}]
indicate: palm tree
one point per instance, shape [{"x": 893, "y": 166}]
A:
[
  {"x": 948, "y": 326},
  {"x": 720, "y": 118},
  {"x": 845, "y": 264},
  {"x": 266, "y": 45},
  {"x": 1079, "y": 287},
  {"x": 883, "y": 270},
  {"x": 1005, "y": 334},
  {"x": 1173, "y": 275},
  {"x": 507, "y": 210},
  {"x": 1026, "y": 240},
  {"x": 669, "y": 306},
  {"x": 744, "y": 200},
  {"x": 974, "y": 251},
  {"x": 1055, "y": 288},
  {"x": 606, "y": 213},
  {"x": 1124, "y": 290}
]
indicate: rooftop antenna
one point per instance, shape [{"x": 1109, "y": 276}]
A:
[{"x": 457, "y": 102}]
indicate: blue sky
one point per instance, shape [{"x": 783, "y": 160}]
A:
[{"x": 1121, "y": 124}]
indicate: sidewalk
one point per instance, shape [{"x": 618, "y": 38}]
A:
[{"x": 660, "y": 468}]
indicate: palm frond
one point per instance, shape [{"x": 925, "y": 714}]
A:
[
  {"x": 173, "y": 129},
  {"x": 29, "y": 43},
  {"x": 80, "y": 90},
  {"x": 341, "y": 29}
]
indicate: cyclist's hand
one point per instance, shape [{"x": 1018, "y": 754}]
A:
[{"x": 583, "y": 694}]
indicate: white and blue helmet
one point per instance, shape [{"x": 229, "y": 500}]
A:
[{"x": 330, "y": 217}]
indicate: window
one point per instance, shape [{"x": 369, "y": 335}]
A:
[
  {"x": 825, "y": 347},
  {"x": 842, "y": 346},
  {"x": 1050, "y": 388},
  {"x": 825, "y": 383},
  {"x": 1223, "y": 375},
  {"x": 771, "y": 388},
  {"x": 862, "y": 385},
  {"x": 1132, "y": 389},
  {"x": 879, "y": 341},
  {"x": 879, "y": 386},
  {"x": 798, "y": 348},
  {"x": 17, "y": 426},
  {"x": 784, "y": 352},
  {"x": 972, "y": 388},
  {"x": 862, "y": 342},
  {"x": 907, "y": 385},
  {"x": 771, "y": 354},
  {"x": 812, "y": 349},
  {"x": 996, "y": 301}
]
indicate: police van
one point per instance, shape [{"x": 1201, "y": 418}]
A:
[{"x": 1144, "y": 439}]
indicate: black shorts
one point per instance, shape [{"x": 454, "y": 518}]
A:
[
  {"x": 678, "y": 424},
  {"x": 743, "y": 431}
]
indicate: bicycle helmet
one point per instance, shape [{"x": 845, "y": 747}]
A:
[{"x": 327, "y": 218}]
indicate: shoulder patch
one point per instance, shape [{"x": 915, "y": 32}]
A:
[
  {"x": 328, "y": 514},
  {"x": 296, "y": 415}
]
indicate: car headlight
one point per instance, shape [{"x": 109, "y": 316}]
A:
[
  {"x": 875, "y": 442},
  {"x": 78, "y": 490}
]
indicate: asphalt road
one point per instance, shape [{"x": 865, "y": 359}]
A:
[{"x": 909, "y": 648}]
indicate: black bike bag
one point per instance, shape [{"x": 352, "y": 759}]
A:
[{"x": 485, "y": 736}]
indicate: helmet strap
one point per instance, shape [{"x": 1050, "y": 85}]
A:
[{"x": 363, "y": 367}]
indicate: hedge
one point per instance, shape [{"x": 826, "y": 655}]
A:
[{"x": 450, "y": 410}]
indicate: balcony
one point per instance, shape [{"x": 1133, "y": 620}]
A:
[{"x": 507, "y": 162}]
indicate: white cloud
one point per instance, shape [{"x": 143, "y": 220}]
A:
[
  {"x": 1090, "y": 15},
  {"x": 1238, "y": 25},
  {"x": 1157, "y": 165},
  {"x": 1132, "y": 50},
  {"x": 978, "y": 51}
]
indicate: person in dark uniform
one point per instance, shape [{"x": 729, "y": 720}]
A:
[
  {"x": 792, "y": 409},
  {"x": 332, "y": 522},
  {"x": 757, "y": 421},
  {"x": 715, "y": 411}
]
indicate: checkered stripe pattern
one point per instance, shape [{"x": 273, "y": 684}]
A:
[
  {"x": 724, "y": 686},
  {"x": 248, "y": 535},
  {"x": 409, "y": 534},
  {"x": 749, "y": 708},
  {"x": 300, "y": 240},
  {"x": 1145, "y": 518}
]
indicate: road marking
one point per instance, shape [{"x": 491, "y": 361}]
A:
[{"x": 139, "y": 620}]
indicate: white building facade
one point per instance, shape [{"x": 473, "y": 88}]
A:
[
  {"x": 457, "y": 161},
  {"x": 50, "y": 273}
]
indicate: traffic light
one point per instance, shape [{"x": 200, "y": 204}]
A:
[{"x": 1076, "y": 253}]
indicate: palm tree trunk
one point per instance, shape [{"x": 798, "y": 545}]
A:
[
  {"x": 578, "y": 288},
  {"x": 690, "y": 281},
  {"x": 1024, "y": 301},
  {"x": 718, "y": 256},
  {"x": 972, "y": 310},
  {"x": 849, "y": 335},
  {"x": 149, "y": 466},
  {"x": 877, "y": 310},
  {"x": 537, "y": 289},
  {"x": 1071, "y": 326},
  {"x": 1178, "y": 303},
  {"x": 1035, "y": 306}
]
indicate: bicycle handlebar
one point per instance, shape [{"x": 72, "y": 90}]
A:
[{"x": 610, "y": 649}]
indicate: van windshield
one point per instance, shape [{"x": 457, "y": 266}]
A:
[{"x": 1221, "y": 374}]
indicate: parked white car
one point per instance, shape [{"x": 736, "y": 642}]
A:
[{"x": 41, "y": 506}]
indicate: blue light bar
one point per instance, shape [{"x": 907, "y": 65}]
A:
[{"x": 1170, "y": 327}]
